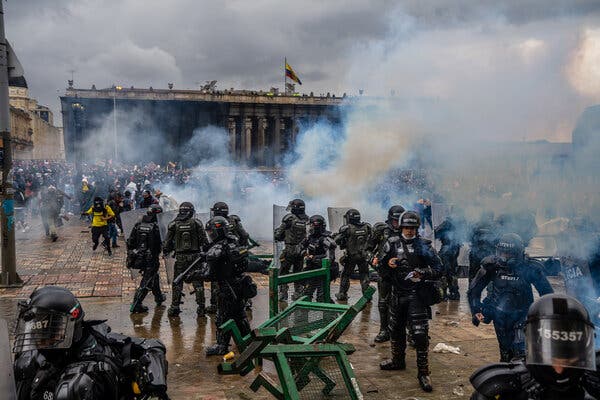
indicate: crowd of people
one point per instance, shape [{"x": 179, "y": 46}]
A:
[{"x": 411, "y": 275}]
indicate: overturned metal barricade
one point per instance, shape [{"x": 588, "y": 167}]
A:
[{"x": 301, "y": 341}]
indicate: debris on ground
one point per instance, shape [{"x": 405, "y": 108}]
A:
[{"x": 445, "y": 348}]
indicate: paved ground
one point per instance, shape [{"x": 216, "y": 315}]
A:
[{"x": 106, "y": 288}]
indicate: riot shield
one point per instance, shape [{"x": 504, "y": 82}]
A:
[
  {"x": 335, "y": 218},
  {"x": 7, "y": 378},
  {"x": 278, "y": 213},
  {"x": 164, "y": 219},
  {"x": 170, "y": 268},
  {"x": 130, "y": 218}
]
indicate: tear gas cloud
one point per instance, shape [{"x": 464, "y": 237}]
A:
[{"x": 467, "y": 95}]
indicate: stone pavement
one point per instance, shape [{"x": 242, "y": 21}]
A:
[{"x": 106, "y": 288}]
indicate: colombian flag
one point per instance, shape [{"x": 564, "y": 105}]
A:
[{"x": 289, "y": 72}]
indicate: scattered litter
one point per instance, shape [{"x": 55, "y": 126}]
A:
[
  {"x": 444, "y": 348},
  {"x": 458, "y": 391},
  {"x": 178, "y": 365},
  {"x": 452, "y": 323}
]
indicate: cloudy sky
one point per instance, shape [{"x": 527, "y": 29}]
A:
[{"x": 516, "y": 69}]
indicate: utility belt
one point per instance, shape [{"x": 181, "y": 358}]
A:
[{"x": 140, "y": 259}]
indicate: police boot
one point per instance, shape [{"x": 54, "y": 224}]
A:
[
  {"x": 384, "y": 330},
  {"x": 221, "y": 347},
  {"x": 54, "y": 237},
  {"x": 397, "y": 362},
  {"x": 159, "y": 300},
  {"x": 423, "y": 368},
  {"x": 364, "y": 283},
  {"x": 173, "y": 311},
  {"x": 342, "y": 295},
  {"x": 138, "y": 298}
]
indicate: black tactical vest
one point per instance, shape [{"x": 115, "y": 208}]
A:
[
  {"x": 357, "y": 238},
  {"x": 187, "y": 236},
  {"x": 297, "y": 230}
]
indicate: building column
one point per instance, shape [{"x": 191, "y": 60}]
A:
[
  {"x": 247, "y": 148},
  {"x": 277, "y": 127},
  {"x": 231, "y": 125},
  {"x": 262, "y": 140}
]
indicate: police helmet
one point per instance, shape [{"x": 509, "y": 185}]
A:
[
  {"x": 52, "y": 318},
  {"x": 317, "y": 224},
  {"x": 560, "y": 340},
  {"x": 395, "y": 212},
  {"x": 510, "y": 246},
  {"x": 186, "y": 207},
  {"x": 220, "y": 209},
  {"x": 297, "y": 207},
  {"x": 216, "y": 228},
  {"x": 410, "y": 219},
  {"x": 352, "y": 216}
]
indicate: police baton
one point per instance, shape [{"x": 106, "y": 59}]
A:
[{"x": 187, "y": 271}]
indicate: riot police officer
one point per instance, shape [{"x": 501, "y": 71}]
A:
[
  {"x": 317, "y": 247},
  {"x": 292, "y": 232},
  {"x": 61, "y": 356},
  {"x": 382, "y": 231},
  {"x": 186, "y": 237},
  {"x": 484, "y": 236},
  {"x": 226, "y": 262},
  {"x": 412, "y": 266},
  {"x": 560, "y": 363},
  {"x": 448, "y": 233},
  {"x": 353, "y": 237},
  {"x": 143, "y": 251},
  {"x": 512, "y": 275},
  {"x": 221, "y": 209}
]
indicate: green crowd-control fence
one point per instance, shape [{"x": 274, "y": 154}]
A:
[
  {"x": 276, "y": 280},
  {"x": 301, "y": 341}
]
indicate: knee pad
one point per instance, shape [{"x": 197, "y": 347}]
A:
[{"x": 419, "y": 331}]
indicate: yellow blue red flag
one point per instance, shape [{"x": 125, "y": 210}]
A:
[{"x": 289, "y": 72}]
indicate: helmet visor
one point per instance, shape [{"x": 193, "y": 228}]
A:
[
  {"x": 560, "y": 342},
  {"x": 39, "y": 329}
]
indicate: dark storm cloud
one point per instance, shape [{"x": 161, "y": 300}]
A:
[{"x": 242, "y": 43}]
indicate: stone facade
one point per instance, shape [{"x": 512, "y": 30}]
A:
[
  {"x": 46, "y": 139},
  {"x": 261, "y": 126},
  {"x": 21, "y": 133}
]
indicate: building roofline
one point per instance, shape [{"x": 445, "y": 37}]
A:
[{"x": 219, "y": 96}]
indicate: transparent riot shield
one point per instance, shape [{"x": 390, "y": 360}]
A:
[
  {"x": 7, "y": 378},
  {"x": 278, "y": 213},
  {"x": 130, "y": 218},
  {"x": 164, "y": 219},
  {"x": 335, "y": 217}
]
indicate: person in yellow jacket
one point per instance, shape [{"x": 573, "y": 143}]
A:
[{"x": 101, "y": 213}]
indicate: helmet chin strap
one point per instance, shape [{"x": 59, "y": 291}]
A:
[{"x": 408, "y": 238}]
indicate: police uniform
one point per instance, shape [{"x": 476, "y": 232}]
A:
[
  {"x": 226, "y": 262},
  {"x": 382, "y": 232},
  {"x": 144, "y": 246},
  {"x": 61, "y": 356},
  {"x": 292, "y": 232},
  {"x": 410, "y": 300},
  {"x": 316, "y": 247},
  {"x": 354, "y": 239},
  {"x": 510, "y": 298},
  {"x": 447, "y": 233},
  {"x": 187, "y": 238}
]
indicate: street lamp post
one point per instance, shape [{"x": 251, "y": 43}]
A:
[{"x": 115, "y": 120}]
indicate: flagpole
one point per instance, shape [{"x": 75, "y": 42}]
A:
[{"x": 284, "y": 75}]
